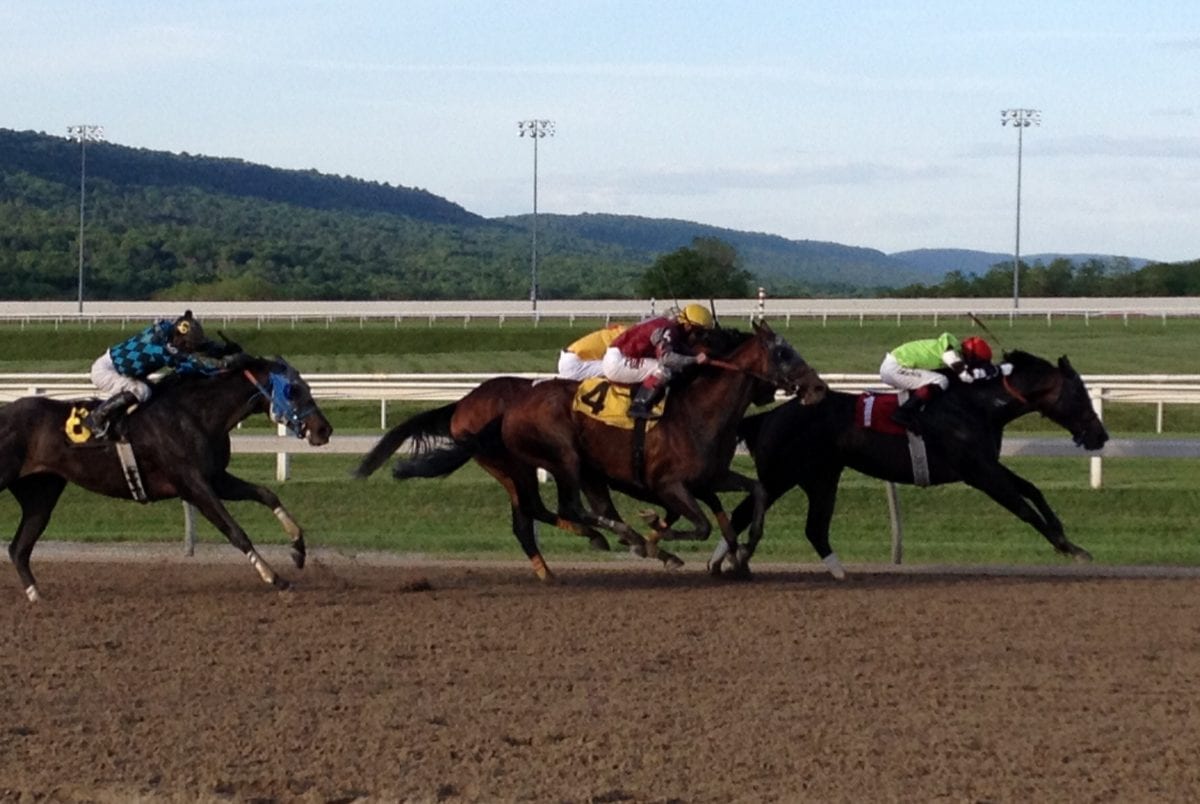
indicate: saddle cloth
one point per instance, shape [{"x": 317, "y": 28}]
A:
[
  {"x": 873, "y": 411},
  {"x": 608, "y": 402}
]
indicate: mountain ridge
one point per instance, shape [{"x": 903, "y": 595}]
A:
[{"x": 165, "y": 223}]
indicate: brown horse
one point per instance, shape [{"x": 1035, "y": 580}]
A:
[
  {"x": 686, "y": 456},
  {"x": 180, "y": 441},
  {"x": 472, "y": 428},
  {"x": 462, "y": 424}
]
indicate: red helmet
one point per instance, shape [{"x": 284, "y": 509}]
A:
[{"x": 976, "y": 348}]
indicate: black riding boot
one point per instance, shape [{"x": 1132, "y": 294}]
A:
[
  {"x": 645, "y": 398},
  {"x": 908, "y": 415},
  {"x": 108, "y": 411}
]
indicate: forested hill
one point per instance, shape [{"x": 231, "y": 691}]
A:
[
  {"x": 56, "y": 159},
  {"x": 788, "y": 266},
  {"x": 177, "y": 226}
]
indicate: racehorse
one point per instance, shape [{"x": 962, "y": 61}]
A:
[
  {"x": 546, "y": 407},
  {"x": 685, "y": 456},
  {"x": 462, "y": 423},
  {"x": 179, "y": 441},
  {"x": 810, "y": 446}
]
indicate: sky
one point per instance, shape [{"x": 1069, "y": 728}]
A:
[{"x": 873, "y": 124}]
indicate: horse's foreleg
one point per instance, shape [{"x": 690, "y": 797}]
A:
[
  {"x": 37, "y": 495},
  {"x": 822, "y": 497},
  {"x": 209, "y": 504},
  {"x": 679, "y": 501},
  {"x": 1016, "y": 494},
  {"x": 229, "y": 487}
]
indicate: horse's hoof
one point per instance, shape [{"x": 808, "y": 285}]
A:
[
  {"x": 298, "y": 557},
  {"x": 741, "y": 573},
  {"x": 714, "y": 569},
  {"x": 638, "y": 550},
  {"x": 599, "y": 543},
  {"x": 834, "y": 565},
  {"x": 672, "y": 562},
  {"x": 1081, "y": 555},
  {"x": 281, "y": 583}
]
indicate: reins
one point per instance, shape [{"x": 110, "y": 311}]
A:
[{"x": 1013, "y": 392}]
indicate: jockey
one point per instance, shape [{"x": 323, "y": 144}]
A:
[
  {"x": 649, "y": 352},
  {"x": 914, "y": 367},
  {"x": 583, "y": 358},
  {"x": 121, "y": 371}
]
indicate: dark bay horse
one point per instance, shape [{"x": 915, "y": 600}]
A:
[
  {"x": 810, "y": 446},
  {"x": 180, "y": 442}
]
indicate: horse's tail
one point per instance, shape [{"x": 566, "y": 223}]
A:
[
  {"x": 423, "y": 429},
  {"x": 748, "y": 430},
  {"x": 452, "y": 456}
]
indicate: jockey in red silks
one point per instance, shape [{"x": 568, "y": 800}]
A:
[{"x": 649, "y": 352}]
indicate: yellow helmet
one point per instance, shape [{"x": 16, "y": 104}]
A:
[{"x": 697, "y": 315}]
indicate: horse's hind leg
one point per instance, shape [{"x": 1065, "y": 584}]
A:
[
  {"x": 229, "y": 487},
  {"x": 37, "y": 495}
]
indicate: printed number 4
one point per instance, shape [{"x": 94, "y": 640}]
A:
[{"x": 595, "y": 398}]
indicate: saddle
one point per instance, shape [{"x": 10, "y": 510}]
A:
[{"x": 608, "y": 402}]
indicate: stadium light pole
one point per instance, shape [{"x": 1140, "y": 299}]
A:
[
  {"x": 535, "y": 130},
  {"x": 1020, "y": 119},
  {"x": 83, "y": 134}
]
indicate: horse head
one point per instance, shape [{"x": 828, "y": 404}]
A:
[
  {"x": 784, "y": 368},
  {"x": 288, "y": 399},
  {"x": 1059, "y": 394}
]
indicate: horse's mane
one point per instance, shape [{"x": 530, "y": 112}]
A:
[
  {"x": 174, "y": 380},
  {"x": 720, "y": 341},
  {"x": 1020, "y": 359}
]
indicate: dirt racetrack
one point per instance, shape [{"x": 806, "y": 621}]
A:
[{"x": 164, "y": 678}]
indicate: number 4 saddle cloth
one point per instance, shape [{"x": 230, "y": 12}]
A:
[{"x": 608, "y": 402}]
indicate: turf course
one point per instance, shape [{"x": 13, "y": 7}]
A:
[{"x": 1143, "y": 515}]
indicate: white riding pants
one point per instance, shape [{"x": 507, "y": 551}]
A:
[
  {"x": 106, "y": 377},
  {"x": 909, "y": 379},
  {"x": 572, "y": 367},
  {"x": 619, "y": 368}
]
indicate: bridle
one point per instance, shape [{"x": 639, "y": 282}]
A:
[{"x": 281, "y": 410}]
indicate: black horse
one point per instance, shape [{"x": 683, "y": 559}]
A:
[
  {"x": 809, "y": 446},
  {"x": 179, "y": 441}
]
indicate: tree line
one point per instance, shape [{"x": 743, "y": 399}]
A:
[{"x": 1064, "y": 278}]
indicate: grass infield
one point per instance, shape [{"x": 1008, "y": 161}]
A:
[{"x": 1143, "y": 515}]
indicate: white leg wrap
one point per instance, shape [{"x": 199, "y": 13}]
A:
[
  {"x": 32, "y": 594},
  {"x": 719, "y": 552},
  {"x": 264, "y": 571},
  {"x": 288, "y": 523},
  {"x": 834, "y": 565}
]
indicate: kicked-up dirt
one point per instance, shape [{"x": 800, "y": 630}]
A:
[{"x": 189, "y": 679}]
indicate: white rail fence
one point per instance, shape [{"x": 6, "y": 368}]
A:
[
  {"x": 497, "y": 312},
  {"x": 1159, "y": 390}
]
